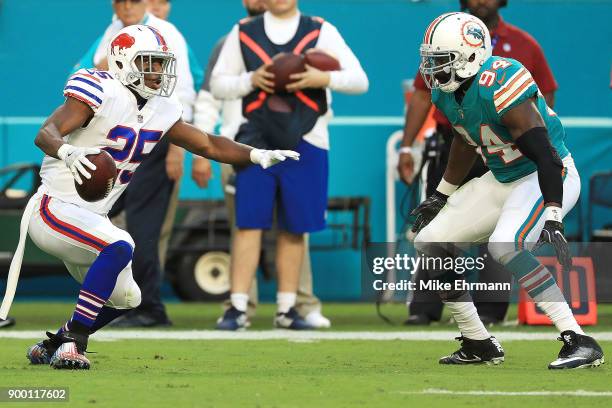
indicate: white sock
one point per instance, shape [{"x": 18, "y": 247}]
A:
[
  {"x": 239, "y": 301},
  {"x": 467, "y": 319},
  {"x": 285, "y": 301},
  {"x": 558, "y": 310}
]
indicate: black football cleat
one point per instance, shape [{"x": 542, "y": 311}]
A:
[
  {"x": 487, "y": 351},
  {"x": 71, "y": 352},
  {"x": 578, "y": 351}
]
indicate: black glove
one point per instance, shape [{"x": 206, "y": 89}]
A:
[
  {"x": 427, "y": 210},
  {"x": 553, "y": 234}
]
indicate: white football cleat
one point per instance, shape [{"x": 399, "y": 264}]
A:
[{"x": 317, "y": 320}]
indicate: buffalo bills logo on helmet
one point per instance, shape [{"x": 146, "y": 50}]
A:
[
  {"x": 122, "y": 41},
  {"x": 473, "y": 34}
]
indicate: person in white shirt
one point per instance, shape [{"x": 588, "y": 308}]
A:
[
  {"x": 207, "y": 112},
  {"x": 298, "y": 193}
]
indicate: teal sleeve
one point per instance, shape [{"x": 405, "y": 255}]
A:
[
  {"x": 87, "y": 60},
  {"x": 197, "y": 72}
]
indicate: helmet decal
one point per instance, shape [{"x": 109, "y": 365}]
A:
[
  {"x": 473, "y": 34},
  {"x": 160, "y": 39},
  {"x": 432, "y": 27},
  {"x": 122, "y": 41}
]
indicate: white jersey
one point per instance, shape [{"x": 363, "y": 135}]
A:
[{"x": 118, "y": 126}]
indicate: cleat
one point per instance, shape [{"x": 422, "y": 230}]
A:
[
  {"x": 71, "y": 352},
  {"x": 317, "y": 320},
  {"x": 41, "y": 352},
  {"x": 8, "y": 322},
  {"x": 487, "y": 351},
  {"x": 291, "y": 320},
  {"x": 578, "y": 351},
  {"x": 232, "y": 320}
]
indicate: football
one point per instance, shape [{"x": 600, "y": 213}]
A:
[
  {"x": 283, "y": 65},
  {"x": 321, "y": 60},
  {"x": 102, "y": 178}
]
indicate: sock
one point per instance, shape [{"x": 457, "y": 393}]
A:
[
  {"x": 542, "y": 288},
  {"x": 106, "y": 315},
  {"x": 239, "y": 301},
  {"x": 467, "y": 319},
  {"x": 64, "y": 328},
  {"x": 285, "y": 301},
  {"x": 99, "y": 284}
]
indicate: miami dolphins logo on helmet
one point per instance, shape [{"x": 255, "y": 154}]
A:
[{"x": 473, "y": 34}]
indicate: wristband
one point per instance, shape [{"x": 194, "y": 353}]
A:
[
  {"x": 446, "y": 188},
  {"x": 405, "y": 149},
  {"x": 552, "y": 213}
]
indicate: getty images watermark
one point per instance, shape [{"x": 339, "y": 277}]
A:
[
  {"x": 387, "y": 267},
  {"x": 382, "y": 265}
]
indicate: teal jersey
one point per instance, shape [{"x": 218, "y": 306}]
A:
[{"x": 499, "y": 85}]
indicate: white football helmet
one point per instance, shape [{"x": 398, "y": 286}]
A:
[
  {"x": 142, "y": 44},
  {"x": 454, "y": 48}
]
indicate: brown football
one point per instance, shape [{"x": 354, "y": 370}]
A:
[
  {"x": 102, "y": 178},
  {"x": 321, "y": 60},
  {"x": 283, "y": 65}
]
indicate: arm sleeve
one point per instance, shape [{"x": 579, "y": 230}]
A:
[
  {"x": 535, "y": 145},
  {"x": 351, "y": 78},
  {"x": 229, "y": 78},
  {"x": 85, "y": 87}
]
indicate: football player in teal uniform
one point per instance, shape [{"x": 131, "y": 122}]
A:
[{"x": 496, "y": 110}]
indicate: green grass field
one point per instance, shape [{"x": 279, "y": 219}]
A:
[{"x": 287, "y": 373}]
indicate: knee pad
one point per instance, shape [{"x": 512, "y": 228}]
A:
[
  {"x": 121, "y": 251},
  {"x": 134, "y": 296},
  {"x": 126, "y": 298}
]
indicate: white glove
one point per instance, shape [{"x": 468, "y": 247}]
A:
[
  {"x": 75, "y": 160},
  {"x": 267, "y": 158}
]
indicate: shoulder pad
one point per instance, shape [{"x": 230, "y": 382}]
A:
[{"x": 87, "y": 86}]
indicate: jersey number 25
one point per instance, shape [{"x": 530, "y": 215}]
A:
[{"x": 133, "y": 150}]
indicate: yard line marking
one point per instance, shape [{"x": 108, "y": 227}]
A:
[
  {"x": 257, "y": 335},
  {"x": 576, "y": 393}
]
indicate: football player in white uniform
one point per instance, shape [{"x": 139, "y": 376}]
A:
[{"x": 125, "y": 112}]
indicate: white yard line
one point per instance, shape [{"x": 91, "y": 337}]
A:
[
  {"x": 576, "y": 393},
  {"x": 307, "y": 336}
]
